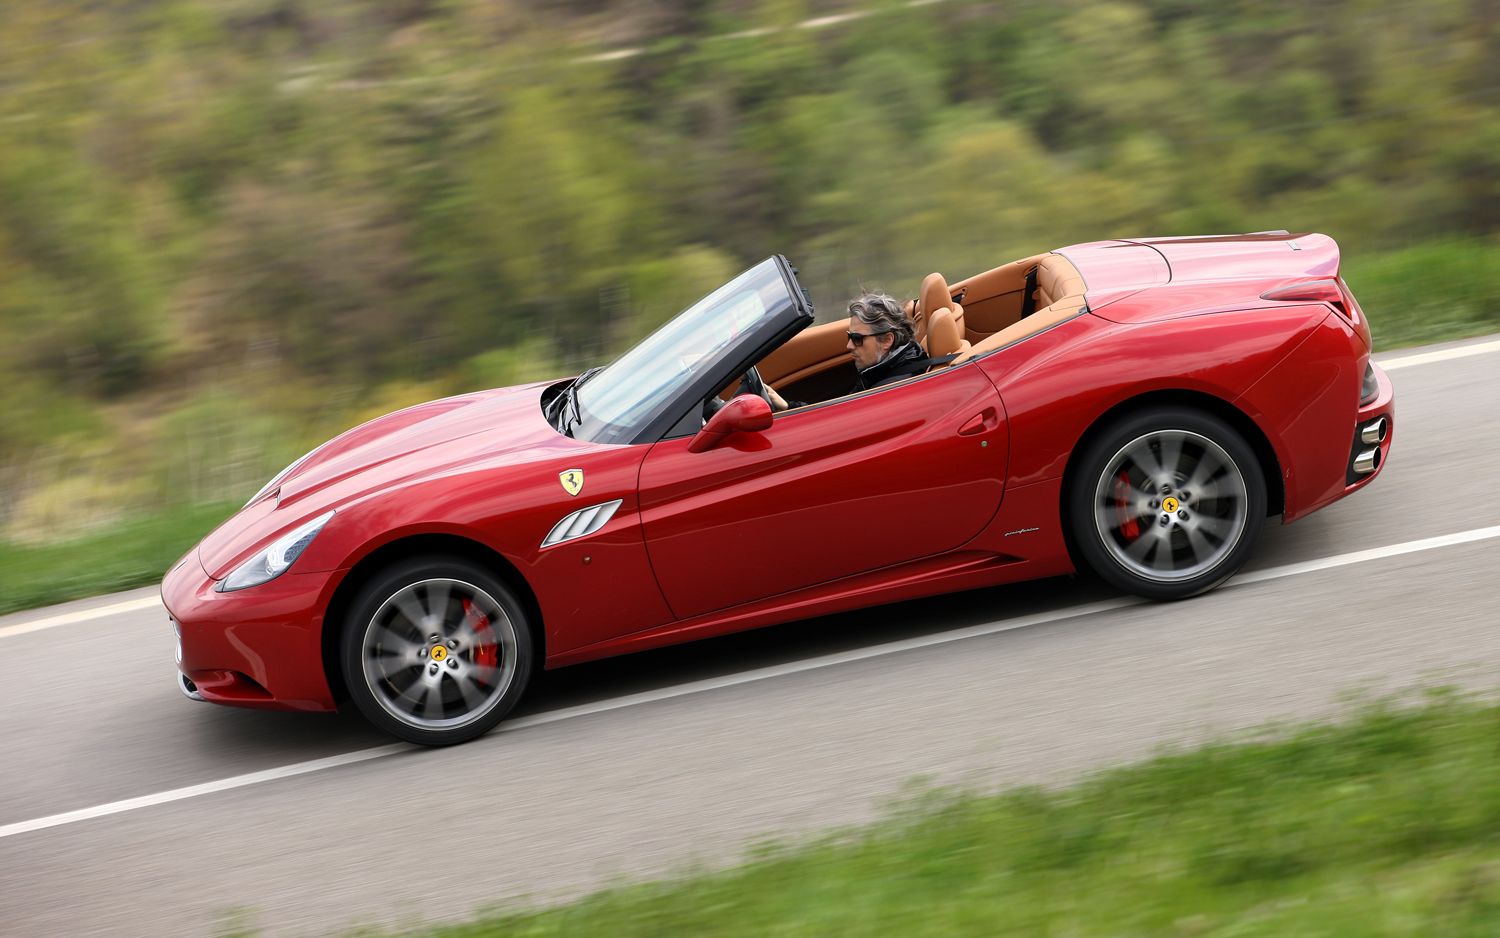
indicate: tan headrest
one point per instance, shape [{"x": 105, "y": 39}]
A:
[
  {"x": 935, "y": 293},
  {"x": 943, "y": 335}
]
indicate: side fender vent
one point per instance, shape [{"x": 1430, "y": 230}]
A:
[{"x": 581, "y": 523}]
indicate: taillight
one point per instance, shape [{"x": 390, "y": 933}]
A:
[{"x": 1317, "y": 291}]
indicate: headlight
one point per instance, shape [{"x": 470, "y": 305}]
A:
[
  {"x": 273, "y": 561},
  {"x": 276, "y": 479}
]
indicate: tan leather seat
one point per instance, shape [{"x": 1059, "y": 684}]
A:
[
  {"x": 944, "y": 337},
  {"x": 939, "y": 320},
  {"x": 1060, "y": 296},
  {"x": 935, "y": 295}
]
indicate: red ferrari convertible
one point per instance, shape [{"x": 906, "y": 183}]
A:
[{"x": 1133, "y": 408}]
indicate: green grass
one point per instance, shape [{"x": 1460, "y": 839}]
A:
[
  {"x": 1385, "y": 825},
  {"x": 135, "y": 553},
  {"x": 1428, "y": 293}
]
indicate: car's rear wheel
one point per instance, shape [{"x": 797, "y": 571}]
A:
[
  {"x": 1167, "y": 503},
  {"x": 436, "y": 651}
]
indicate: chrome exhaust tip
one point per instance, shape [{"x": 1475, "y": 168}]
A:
[
  {"x": 188, "y": 688},
  {"x": 1373, "y": 432},
  {"x": 1365, "y": 462}
]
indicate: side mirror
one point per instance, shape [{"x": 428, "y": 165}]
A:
[{"x": 744, "y": 414}]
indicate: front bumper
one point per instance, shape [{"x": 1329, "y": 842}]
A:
[{"x": 259, "y": 647}]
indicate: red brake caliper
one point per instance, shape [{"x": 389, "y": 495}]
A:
[
  {"x": 486, "y": 652},
  {"x": 1130, "y": 527}
]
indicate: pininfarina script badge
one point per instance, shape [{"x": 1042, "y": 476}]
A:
[{"x": 572, "y": 480}]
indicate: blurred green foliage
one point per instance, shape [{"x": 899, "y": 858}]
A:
[{"x": 229, "y": 229}]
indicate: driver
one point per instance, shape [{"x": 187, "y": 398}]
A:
[{"x": 882, "y": 342}]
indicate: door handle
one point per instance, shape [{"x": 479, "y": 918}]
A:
[{"x": 979, "y": 423}]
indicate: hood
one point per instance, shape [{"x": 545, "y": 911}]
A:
[
  {"x": 427, "y": 439},
  {"x": 511, "y": 417}
]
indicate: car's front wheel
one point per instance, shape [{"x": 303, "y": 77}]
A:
[
  {"x": 1167, "y": 503},
  {"x": 436, "y": 650}
]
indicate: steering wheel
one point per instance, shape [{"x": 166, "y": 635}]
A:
[{"x": 750, "y": 383}]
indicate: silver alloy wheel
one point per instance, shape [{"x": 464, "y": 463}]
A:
[
  {"x": 1170, "y": 505},
  {"x": 439, "y": 653}
]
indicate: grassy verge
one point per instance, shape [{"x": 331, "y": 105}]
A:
[
  {"x": 136, "y": 553},
  {"x": 1428, "y": 293},
  {"x": 1386, "y": 825}
]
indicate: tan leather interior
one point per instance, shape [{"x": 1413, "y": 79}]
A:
[
  {"x": 935, "y": 295},
  {"x": 992, "y": 300},
  {"x": 1056, "y": 279},
  {"x": 814, "y": 349},
  {"x": 989, "y": 318},
  {"x": 943, "y": 337},
  {"x": 1000, "y": 293},
  {"x": 1058, "y": 312}
]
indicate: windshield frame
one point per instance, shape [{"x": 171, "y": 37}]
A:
[{"x": 787, "y": 315}]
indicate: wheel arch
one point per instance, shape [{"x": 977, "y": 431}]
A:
[
  {"x": 418, "y": 545},
  {"x": 1265, "y": 454}
]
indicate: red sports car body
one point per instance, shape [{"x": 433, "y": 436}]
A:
[{"x": 1137, "y": 408}]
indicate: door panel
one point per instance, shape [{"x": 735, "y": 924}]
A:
[{"x": 829, "y": 491}]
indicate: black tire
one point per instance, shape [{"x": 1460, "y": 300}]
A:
[
  {"x": 1116, "y": 518},
  {"x": 436, "y": 650}
]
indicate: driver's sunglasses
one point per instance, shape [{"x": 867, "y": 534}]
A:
[{"x": 858, "y": 338}]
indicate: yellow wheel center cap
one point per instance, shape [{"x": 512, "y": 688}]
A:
[
  {"x": 439, "y": 652},
  {"x": 1169, "y": 504}
]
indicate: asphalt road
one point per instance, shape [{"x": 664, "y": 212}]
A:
[{"x": 611, "y": 773}]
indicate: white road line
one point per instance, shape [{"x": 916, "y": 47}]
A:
[
  {"x": 82, "y": 615},
  {"x": 1360, "y": 556},
  {"x": 206, "y": 788},
  {"x": 747, "y": 677},
  {"x": 1424, "y": 358}
]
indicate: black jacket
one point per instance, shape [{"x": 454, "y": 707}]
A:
[{"x": 901, "y": 363}]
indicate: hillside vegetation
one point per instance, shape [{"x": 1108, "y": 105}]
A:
[{"x": 231, "y": 228}]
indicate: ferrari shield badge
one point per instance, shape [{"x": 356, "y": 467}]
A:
[{"x": 572, "y": 480}]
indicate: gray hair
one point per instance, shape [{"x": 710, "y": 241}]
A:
[{"x": 883, "y": 313}]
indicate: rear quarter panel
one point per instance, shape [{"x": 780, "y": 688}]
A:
[
  {"x": 1056, "y": 385},
  {"x": 1311, "y": 399}
]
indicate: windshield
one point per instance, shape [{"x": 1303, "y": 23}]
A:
[{"x": 621, "y": 398}]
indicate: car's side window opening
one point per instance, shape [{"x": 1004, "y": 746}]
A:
[
  {"x": 843, "y": 393},
  {"x": 865, "y": 392}
]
